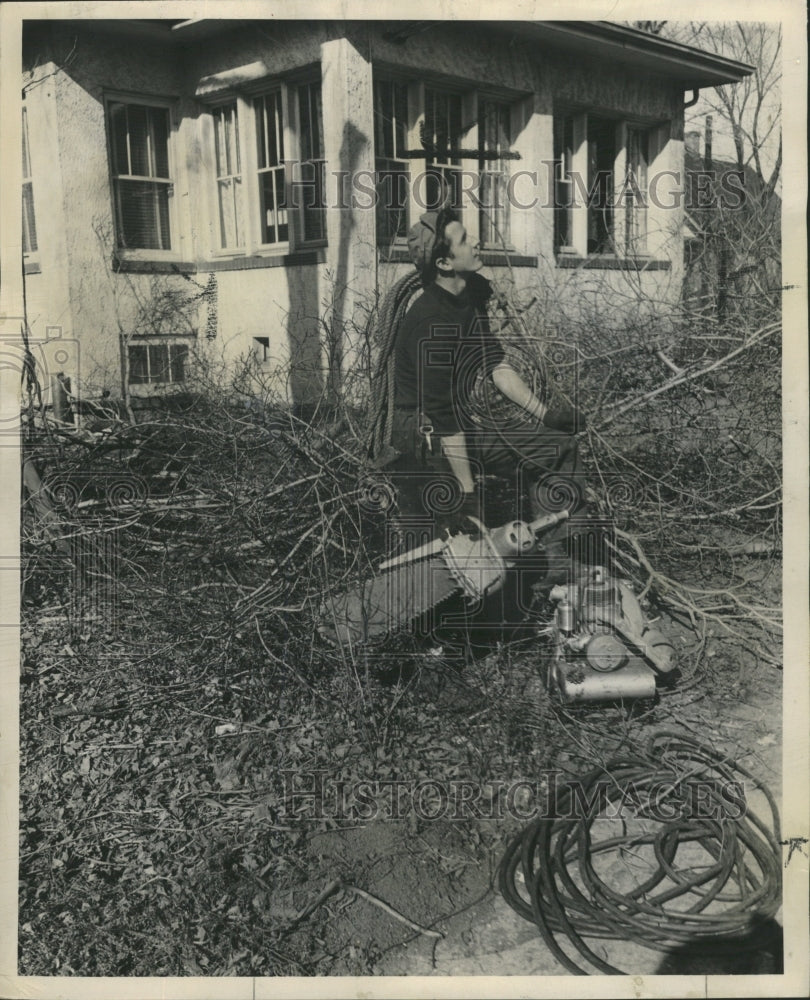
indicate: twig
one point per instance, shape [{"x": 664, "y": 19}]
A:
[{"x": 392, "y": 912}]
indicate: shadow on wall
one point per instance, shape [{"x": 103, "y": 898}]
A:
[
  {"x": 352, "y": 146},
  {"x": 305, "y": 382},
  {"x": 316, "y": 324}
]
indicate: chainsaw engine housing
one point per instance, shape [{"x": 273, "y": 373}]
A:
[{"x": 604, "y": 647}]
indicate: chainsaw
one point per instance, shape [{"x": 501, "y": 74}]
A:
[{"x": 603, "y": 648}]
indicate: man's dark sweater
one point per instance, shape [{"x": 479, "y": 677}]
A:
[{"x": 444, "y": 343}]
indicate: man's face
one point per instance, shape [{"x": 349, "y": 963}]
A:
[{"x": 463, "y": 257}]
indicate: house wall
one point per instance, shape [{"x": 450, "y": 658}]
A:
[{"x": 257, "y": 298}]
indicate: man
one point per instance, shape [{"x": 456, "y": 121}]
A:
[{"x": 443, "y": 345}]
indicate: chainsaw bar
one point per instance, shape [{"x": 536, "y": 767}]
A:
[{"x": 387, "y": 602}]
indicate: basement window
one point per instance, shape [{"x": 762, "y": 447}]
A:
[{"x": 157, "y": 363}]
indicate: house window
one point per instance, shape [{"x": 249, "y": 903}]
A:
[
  {"x": 435, "y": 146},
  {"x": 270, "y": 170},
  {"x": 29, "y": 226},
  {"x": 142, "y": 183},
  {"x": 229, "y": 177},
  {"x": 600, "y": 185},
  {"x": 273, "y": 223},
  {"x": 157, "y": 363},
  {"x": 390, "y": 145}
]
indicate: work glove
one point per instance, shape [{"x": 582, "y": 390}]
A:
[
  {"x": 566, "y": 419},
  {"x": 458, "y": 521}
]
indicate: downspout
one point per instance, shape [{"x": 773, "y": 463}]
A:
[{"x": 695, "y": 96}]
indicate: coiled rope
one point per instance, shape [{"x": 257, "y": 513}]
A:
[
  {"x": 709, "y": 868},
  {"x": 392, "y": 311}
]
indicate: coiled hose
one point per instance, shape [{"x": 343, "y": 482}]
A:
[{"x": 678, "y": 796}]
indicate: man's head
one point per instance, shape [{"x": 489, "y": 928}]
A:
[{"x": 439, "y": 247}]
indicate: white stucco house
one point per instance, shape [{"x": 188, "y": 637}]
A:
[{"x": 242, "y": 187}]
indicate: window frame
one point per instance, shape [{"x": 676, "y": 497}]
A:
[
  {"x": 240, "y": 246},
  {"x": 169, "y": 104},
  {"x": 245, "y": 101},
  {"x": 576, "y": 158},
  {"x": 471, "y": 100},
  {"x": 151, "y": 386}
]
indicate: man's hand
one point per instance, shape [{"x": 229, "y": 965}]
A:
[{"x": 566, "y": 419}]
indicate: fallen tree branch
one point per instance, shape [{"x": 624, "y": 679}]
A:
[{"x": 687, "y": 376}]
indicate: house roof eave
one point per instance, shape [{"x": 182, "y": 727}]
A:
[{"x": 691, "y": 66}]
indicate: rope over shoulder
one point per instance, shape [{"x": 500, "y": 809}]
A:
[{"x": 393, "y": 309}]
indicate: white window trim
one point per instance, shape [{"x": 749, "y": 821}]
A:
[
  {"x": 209, "y": 143},
  {"x": 579, "y": 207},
  {"x": 149, "y": 100},
  {"x": 150, "y": 388},
  {"x": 248, "y": 138}
]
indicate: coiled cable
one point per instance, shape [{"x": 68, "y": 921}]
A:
[{"x": 678, "y": 796}]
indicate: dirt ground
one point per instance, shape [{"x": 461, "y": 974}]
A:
[{"x": 442, "y": 875}]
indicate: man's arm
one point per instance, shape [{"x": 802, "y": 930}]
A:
[
  {"x": 508, "y": 381},
  {"x": 454, "y": 447}
]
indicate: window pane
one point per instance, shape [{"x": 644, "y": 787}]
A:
[
  {"x": 139, "y": 146},
  {"x": 392, "y": 174},
  {"x": 563, "y": 186},
  {"x": 118, "y": 139},
  {"x": 310, "y": 198},
  {"x": 29, "y": 229},
  {"x": 275, "y": 228},
  {"x": 139, "y": 143},
  {"x": 309, "y": 191},
  {"x": 443, "y": 125},
  {"x": 143, "y": 215},
  {"x": 601, "y": 160},
  {"x": 635, "y": 190},
  {"x": 227, "y": 141},
  {"x": 179, "y": 357},
  {"x": 160, "y": 141},
  {"x": 494, "y": 139},
  {"x": 309, "y": 113},
  {"x": 138, "y": 363},
  {"x": 390, "y": 119},
  {"x": 159, "y": 370},
  {"x": 392, "y": 200},
  {"x": 230, "y": 213},
  {"x": 269, "y": 130},
  {"x": 26, "y": 161}
]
